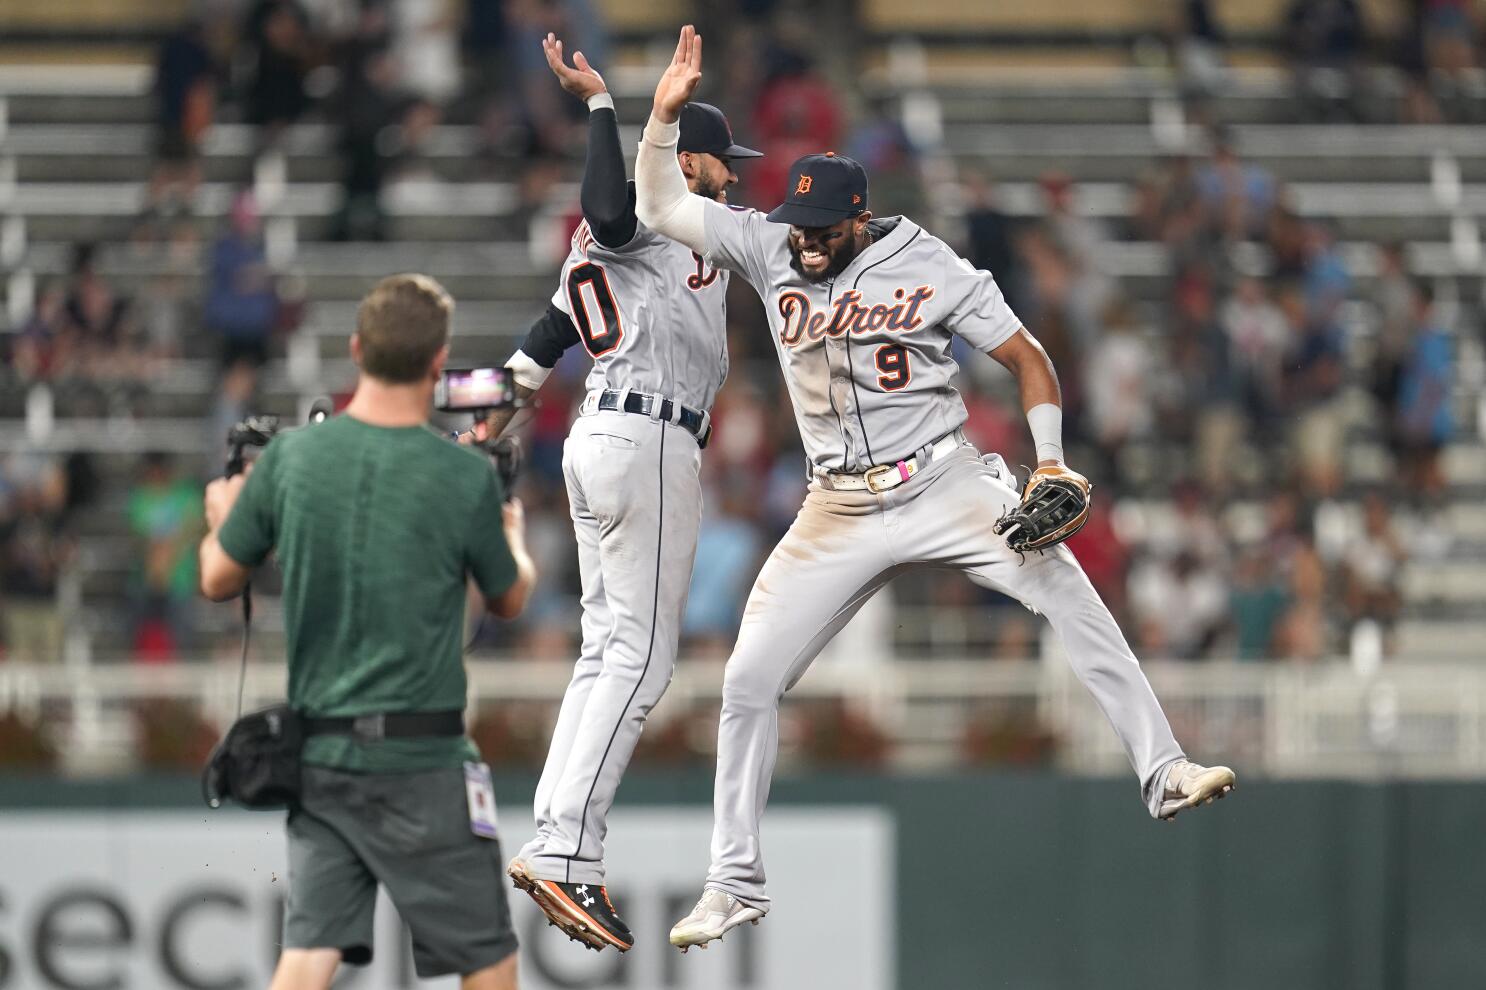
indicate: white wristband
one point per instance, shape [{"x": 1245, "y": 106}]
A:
[
  {"x": 661, "y": 135},
  {"x": 601, "y": 101},
  {"x": 526, "y": 372},
  {"x": 1046, "y": 421}
]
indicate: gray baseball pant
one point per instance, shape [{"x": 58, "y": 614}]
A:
[
  {"x": 636, "y": 498},
  {"x": 842, "y": 547}
]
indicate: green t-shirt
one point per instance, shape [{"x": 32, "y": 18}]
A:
[{"x": 375, "y": 530}]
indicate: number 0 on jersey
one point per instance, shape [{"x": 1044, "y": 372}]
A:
[{"x": 593, "y": 308}]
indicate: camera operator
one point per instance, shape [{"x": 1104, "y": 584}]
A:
[{"x": 377, "y": 523}]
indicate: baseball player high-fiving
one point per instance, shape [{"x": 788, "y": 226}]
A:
[
  {"x": 652, "y": 315},
  {"x": 862, "y": 312}
]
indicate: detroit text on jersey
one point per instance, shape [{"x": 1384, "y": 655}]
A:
[{"x": 849, "y": 315}]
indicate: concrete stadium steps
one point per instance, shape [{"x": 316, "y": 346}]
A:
[
  {"x": 487, "y": 204},
  {"x": 1335, "y": 153},
  {"x": 1371, "y": 211},
  {"x": 1088, "y": 19},
  {"x": 185, "y": 437},
  {"x": 1094, "y": 106},
  {"x": 1125, "y": 97},
  {"x": 1095, "y": 153},
  {"x": 55, "y": 152},
  {"x": 121, "y": 95},
  {"x": 1007, "y": 161},
  {"x": 316, "y": 222},
  {"x": 102, "y": 108},
  {"x": 323, "y": 167},
  {"x": 1456, "y": 582},
  {"x": 178, "y": 391},
  {"x": 1000, "y": 84},
  {"x": 1464, "y": 639},
  {"x": 1088, "y": 150},
  {"x": 342, "y": 273},
  {"x": 467, "y": 211},
  {"x": 128, "y": 166}
]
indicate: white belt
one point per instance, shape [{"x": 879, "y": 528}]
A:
[{"x": 885, "y": 477}]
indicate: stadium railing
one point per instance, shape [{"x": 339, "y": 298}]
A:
[{"x": 1324, "y": 719}]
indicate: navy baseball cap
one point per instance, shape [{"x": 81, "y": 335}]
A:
[
  {"x": 823, "y": 191},
  {"x": 705, "y": 130}
]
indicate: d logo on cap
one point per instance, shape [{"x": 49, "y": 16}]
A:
[{"x": 804, "y": 186}]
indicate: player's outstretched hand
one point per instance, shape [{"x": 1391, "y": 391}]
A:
[
  {"x": 583, "y": 81},
  {"x": 681, "y": 77}
]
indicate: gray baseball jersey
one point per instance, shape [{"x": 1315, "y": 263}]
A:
[
  {"x": 651, "y": 314},
  {"x": 866, "y": 355}
]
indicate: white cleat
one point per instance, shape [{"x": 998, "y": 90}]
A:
[
  {"x": 716, "y": 914},
  {"x": 1191, "y": 784}
]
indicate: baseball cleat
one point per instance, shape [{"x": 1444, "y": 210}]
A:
[
  {"x": 582, "y": 911},
  {"x": 716, "y": 914},
  {"x": 1191, "y": 784}
]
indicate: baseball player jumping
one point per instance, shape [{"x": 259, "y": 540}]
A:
[
  {"x": 652, "y": 315},
  {"x": 862, "y": 312}
]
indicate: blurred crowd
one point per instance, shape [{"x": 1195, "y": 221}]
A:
[
  {"x": 1434, "y": 46},
  {"x": 1216, "y": 422},
  {"x": 384, "y": 74}
]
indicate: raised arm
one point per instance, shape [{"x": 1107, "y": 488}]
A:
[
  {"x": 662, "y": 200},
  {"x": 607, "y": 204}
]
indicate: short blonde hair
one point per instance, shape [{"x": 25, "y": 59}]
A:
[{"x": 403, "y": 323}]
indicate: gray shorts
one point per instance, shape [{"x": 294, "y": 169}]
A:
[{"x": 409, "y": 832}]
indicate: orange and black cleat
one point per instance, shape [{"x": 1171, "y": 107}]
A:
[{"x": 582, "y": 911}]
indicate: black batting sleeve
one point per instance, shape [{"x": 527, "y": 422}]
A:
[
  {"x": 608, "y": 199},
  {"x": 552, "y": 334}
]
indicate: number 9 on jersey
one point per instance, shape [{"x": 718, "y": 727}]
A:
[{"x": 892, "y": 365}]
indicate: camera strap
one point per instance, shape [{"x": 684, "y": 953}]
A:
[{"x": 242, "y": 671}]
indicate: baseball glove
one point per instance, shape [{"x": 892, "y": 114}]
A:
[{"x": 1055, "y": 505}]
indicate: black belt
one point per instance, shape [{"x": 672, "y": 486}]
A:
[
  {"x": 642, "y": 404},
  {"x": 388, "y": 725}
]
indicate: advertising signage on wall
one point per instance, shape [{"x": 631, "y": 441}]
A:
[{"x": 186, "y": 900}]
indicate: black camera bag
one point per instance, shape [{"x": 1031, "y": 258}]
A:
[{"x": 257, "y": 763}]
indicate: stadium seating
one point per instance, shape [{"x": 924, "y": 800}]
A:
[{"x": 75, "y": 152}]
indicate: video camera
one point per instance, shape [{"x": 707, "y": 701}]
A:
[
  {"x": 256, "y": 431},
  {"x": 474, "y": 390},
  {"x": 481, "y": 391}
]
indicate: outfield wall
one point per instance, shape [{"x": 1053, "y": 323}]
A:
[{"x": 985, "y": 880}]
